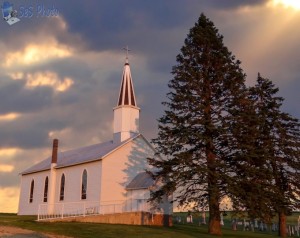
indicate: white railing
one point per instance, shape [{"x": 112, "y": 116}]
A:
[{"x": 75, "y": 209}]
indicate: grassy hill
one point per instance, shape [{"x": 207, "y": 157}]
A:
[{"x": 88, "y": 230}]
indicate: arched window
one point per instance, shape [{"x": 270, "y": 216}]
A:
[
  {"x": 46, "y": 190},
  {"x": 62, "y": 188},
  {"x": 31, "y": 191},
  {"x": 84, "y": 185}
]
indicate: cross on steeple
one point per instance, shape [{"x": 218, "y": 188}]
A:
[{"x": 127, "y": 51}]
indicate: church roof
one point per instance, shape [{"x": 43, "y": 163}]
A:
[
  {"x": 78, "y": 156},
  {"x": 141, "y": 181},
  {"x": 126, "y": 95}
]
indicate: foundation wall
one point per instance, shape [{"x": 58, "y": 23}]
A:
[{"x": 128, "y": 218}]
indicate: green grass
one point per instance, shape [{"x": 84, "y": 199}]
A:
[{"x": 87, "y": 230}]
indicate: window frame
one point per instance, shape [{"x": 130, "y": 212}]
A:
[
  {"x": 62, "y": 187},
  {"x": 46, "y": 188},
  {"x": 31, "y": 191},
  {"x": 84, "y": 184}
]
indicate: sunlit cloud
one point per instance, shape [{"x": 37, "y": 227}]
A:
[
  {"x": 8, "y": 152},
  {"x": 36, "y": 54},
  {"x": 9, "y": 117},
  {"x": 48, "y": 79},
  {"x": 264, "y": 38},
  {"x": 7, "y": 156},
  {"x": 5, "y": 168},
  {"x": 16, "y": 75},
  {"x": 59, "y": 133},
  {"x": 10, "y": 194},
  {"x": 295, "y": 4}
]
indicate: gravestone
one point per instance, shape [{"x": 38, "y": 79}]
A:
[
  {"x": 252, "y": 226},
  {"x": 203, "y": 217},
  {"x": 234, "y": 225},
  {"x": 255, "y": 224},
  {"x": 222, "y": 219},
  {"x": 261, "y": 227}
]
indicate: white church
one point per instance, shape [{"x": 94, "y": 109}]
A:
[{"x": 104, "y": 178}]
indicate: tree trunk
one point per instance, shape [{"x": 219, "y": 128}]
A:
[
  {"x": 214, "y": 217},
  {"x": 214, "y": 227},
  {"x": 282, "y": 224}
]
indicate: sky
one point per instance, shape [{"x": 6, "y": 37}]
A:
[{"x": 60, "y": 74}]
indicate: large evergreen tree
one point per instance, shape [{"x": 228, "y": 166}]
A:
[
  {"x": 208, "y": 82},
  {"x": 280, "y": 138},
  {"x": 250, "y": 179},
  {"x": 265, "y": 160}
]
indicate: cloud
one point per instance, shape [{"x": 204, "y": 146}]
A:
[
  {"x": 17, "y": 160},
  {"x": 5, "y": 168},
  {"x": 265, "y": 40},
  {"x": 9, "y": 117},
  {"x": 286, "y": 3},
  {"x": 8, "y": 152},
  {"x": 48, "y": 78},
  {"x": 19, "y": 99},
  {"x": 36, "y": 54},
  {"x": 10, "y": 194}
]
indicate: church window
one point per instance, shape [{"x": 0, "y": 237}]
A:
[
  {"x": 62, "y": 188},
  {"x": 84, "y": 185},
  {"x": 31, "y": 191},
  {"x": 46, "y": 190}
]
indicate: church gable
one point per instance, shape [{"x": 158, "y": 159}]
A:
[{"x": 121, "y": 166}]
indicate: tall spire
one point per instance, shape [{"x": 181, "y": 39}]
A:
[
  {"x": 126, "y": 95},
  {"x": 126, "y": 113}
]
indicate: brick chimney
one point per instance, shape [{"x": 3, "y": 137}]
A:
[{"x": 54, "y": 151}]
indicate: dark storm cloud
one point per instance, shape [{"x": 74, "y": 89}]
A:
[
  {"x": 152, "y": 108},
  {"x": 16, "y": 98},
  {"x": 80, "y": 108},
  {"x": 107, "y": 20},
  {"x": 156, "y": 30},
  {"x": 28, "y": 132},
  {"x": 108, "y": 24},
  {"x": 292, "y": 97},
  {"x": 9, "y": 179}
]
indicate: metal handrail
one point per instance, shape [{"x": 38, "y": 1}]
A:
[{"x": 76, "y": 209}]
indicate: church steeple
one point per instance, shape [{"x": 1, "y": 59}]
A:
[
  {"x": 126, "y": 113},
  {"x": 126, "y": 95}
]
